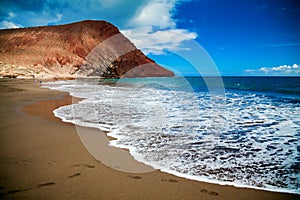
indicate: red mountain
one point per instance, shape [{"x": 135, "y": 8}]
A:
[{"x": 81, "y": 49}]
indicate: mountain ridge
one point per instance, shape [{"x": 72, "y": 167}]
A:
[{"x": 81, "y": 49}]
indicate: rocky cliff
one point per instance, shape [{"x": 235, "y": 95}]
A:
[{"x": 81, "y": 49}]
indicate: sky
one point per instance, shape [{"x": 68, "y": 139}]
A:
[{"x": 190, "y": 37}]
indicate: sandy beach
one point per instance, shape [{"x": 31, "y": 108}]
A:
[{"x": 44, "y": 158}]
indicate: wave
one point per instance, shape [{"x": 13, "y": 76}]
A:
[{"x": 241, "y": 139}]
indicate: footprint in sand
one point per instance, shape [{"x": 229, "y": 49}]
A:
[
  {"x": 169, "y": 180},
  {"x": 75, "y": 175},
  {"x": 134, "y": 177},
  {"x": 45, "y": 184},
  {"x": 84, "y": 165},
  {"x": 15, "y": 191},
  {"x": 209, "y": 192},
  {"x": 80, "y": 166},
  {"x": 203, "y": 191},
  {"x": 23, "y": 162},
  {"x": 213, "y": 193},
  {"x": 27, "y": 189},
  {"x": 89, "y": 166}
]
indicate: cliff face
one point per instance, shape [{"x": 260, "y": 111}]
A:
[{"x": 82, "y": 49}]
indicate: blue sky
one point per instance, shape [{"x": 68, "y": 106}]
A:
[{"x": 241, "y": 37}]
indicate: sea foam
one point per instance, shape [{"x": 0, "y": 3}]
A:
[{"x": 251, "y": 140}]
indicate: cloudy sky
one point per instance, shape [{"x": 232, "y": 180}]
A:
[{"x": 249, "y": 37}]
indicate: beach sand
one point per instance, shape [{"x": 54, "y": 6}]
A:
[{"x": 44, "y": 158}]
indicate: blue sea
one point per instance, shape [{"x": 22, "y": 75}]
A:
[{"x": 241, "y": 131}]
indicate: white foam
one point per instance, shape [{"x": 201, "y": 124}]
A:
[{"x": 252, "y": 142}]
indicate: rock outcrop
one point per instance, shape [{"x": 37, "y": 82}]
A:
[{"x": 81, "y": 49}]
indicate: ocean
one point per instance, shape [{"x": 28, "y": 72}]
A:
[{"x": 241, "y": 131}]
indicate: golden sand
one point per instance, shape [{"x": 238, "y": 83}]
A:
[{"x": 43, "y": 158}]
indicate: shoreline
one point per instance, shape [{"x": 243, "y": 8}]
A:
[
  {"x": 139, "y": 159},
  {"x": 68, "y": 100},
  {"x": 54, "y": 154}
]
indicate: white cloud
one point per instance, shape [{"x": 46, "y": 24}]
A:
[
  {"x": 158, "y": 14},
  {"x": 295, "y": 66},
  {"x": 284, "y": 69},
  {"x": 7, "y": 25},
  {"x": 156, "y": 42},
  {"x": 278, "y": 70},
  {"x": 155, "y": 13}
]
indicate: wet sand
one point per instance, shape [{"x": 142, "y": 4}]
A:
[{"x": 44, "y": 158}]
